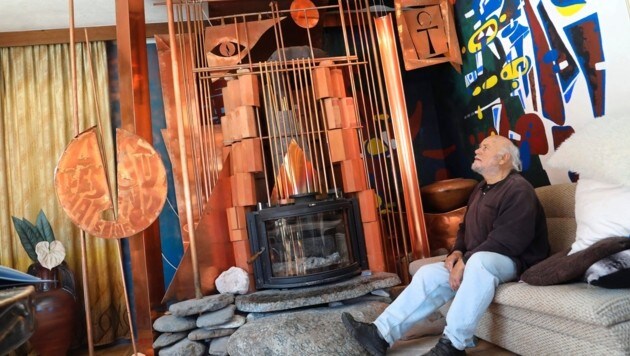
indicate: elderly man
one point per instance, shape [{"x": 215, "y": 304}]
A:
[{"x": 503, "y": 233}]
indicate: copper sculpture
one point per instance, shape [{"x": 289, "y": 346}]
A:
[
  {"x": 427, "y": 33},
  {"x": 85, "y": 195}
]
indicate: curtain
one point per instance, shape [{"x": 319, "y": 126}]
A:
[{"x": 36, "y": 125}]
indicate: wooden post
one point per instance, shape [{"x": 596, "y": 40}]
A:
[{"x": 135, "y": 113}]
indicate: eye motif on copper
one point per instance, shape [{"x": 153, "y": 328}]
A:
[{"x": 228, "y": 44}]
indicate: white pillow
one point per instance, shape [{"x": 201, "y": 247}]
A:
[
  {"x": 601, "y": 210},
  {"x": 598, "y": 150}
]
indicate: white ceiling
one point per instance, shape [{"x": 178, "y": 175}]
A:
[{"x": 26, "y": 15}]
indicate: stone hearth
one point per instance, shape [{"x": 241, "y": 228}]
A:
[{"x": 290, "y": 321}]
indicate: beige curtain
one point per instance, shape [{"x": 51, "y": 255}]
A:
[{"x": 36, "y": 125}]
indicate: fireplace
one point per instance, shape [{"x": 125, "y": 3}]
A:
[{"x": 306, "y": 243}]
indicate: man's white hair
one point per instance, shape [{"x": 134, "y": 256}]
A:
[{"x": 513, "y": 151}]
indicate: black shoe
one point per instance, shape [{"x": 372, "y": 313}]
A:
[
  {"x": 366, "y": 334},
  {"x": 445, "y": 348}
]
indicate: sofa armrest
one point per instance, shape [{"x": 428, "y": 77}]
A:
[{"x": 415, "y": 265}]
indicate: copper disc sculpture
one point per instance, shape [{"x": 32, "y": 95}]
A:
[
  {"x": 85, "y": 195},
  {"x": 304, "y": 13}
]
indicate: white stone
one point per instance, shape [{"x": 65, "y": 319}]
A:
[{"x": 234, "y": 281}]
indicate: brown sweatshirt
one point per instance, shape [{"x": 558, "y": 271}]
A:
[{"x": 505, "y": 218}]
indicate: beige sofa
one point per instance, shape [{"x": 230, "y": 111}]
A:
[{"x": 568, "y": 319}]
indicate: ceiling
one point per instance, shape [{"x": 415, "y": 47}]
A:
[{"x": 26, "y": 15}]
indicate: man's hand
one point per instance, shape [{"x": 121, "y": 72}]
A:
[
  {"x": 457, "y": 274},
  {"x": 452, "y": 259}
]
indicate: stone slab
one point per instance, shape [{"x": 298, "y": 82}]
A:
[
  {"x": 313, "y": 331},
  {"x": 217, "y": 317},
  {"x": 185, "y": 347},
  {"x": 286, "y": 299},
  {"x": 166, "y": 339},
  {"x": 173, "y": 324},
  {"x": 205, "y": 334},
  {"x": 205, "y": 304}
]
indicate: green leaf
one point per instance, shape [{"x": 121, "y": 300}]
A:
[
  {"x": 26, "y": 236},
  {"x": 44, "y": 228}
]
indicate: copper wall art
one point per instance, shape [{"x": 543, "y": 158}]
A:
[
  {"x": 86, "y": 196},
  {"x": 427, "y": 33}
]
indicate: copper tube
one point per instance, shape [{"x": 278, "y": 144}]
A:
[
  {"x": 75, "y": 117},
  {"x": 395, "y": 94},
  {"x": 122, "y": 275},
  {"x": 182, "y": 149}
]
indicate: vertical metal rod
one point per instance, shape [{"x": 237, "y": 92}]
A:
[
  {"x": 393, "y": 84},
  {"x": 182, "y": 149},
  {"x": 305, "y": 110},
  {"x": 75, "y": 117},
  {"x": 265, "y": 86},
  {"x": 201, "y": 173},
  {"x": 191, "y": 109},
  {"x": 310, "y": 65}
]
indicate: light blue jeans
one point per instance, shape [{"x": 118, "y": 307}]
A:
[{"x": 429, "y": 290}]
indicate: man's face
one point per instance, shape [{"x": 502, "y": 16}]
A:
[{"x": 487, "y": 156}]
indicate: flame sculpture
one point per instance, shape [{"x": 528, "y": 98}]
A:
[{"x": 296, "y": 175}]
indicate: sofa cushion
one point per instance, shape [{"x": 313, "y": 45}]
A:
[
  {"x": 563, "y": 268},
  {"x": 601, "y": 210},
  {"x": 576, "y": 301}
]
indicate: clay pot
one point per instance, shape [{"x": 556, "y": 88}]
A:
[{"x": 55, "y": 311}]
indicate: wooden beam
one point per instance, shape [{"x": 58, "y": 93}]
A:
[
  {"x": 135, "y": 113},
  {"x": 44, "y": 37}
]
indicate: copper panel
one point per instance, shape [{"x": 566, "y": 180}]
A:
[
  {"x": 374, "y": 246},
  {"x": 214, "y": 249},
  {"x": 368, "y": 205},
  {"x": 170, "y": 134},
  {"x": 85, "y": 195},
  {"x": 427, "y": 33}
]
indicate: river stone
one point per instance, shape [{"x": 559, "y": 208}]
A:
[
  {"x": 171, "y": 323},
  {"x": 218, "y": 317},
  {"x": 314, "y": 331},
  {"x": 166, "y": 339},
  {"x": 235, "y": 281},
  {"x": 218, "y": 346},
  {"x": 185, "y": 347},
  {"x": 205, "y": 304},
  {"x": 204, "y": 334},
  {"x": 235, "y": 322},
  {"x": 285, "y": 299}
]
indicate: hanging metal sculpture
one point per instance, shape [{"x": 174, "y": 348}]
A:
[
  {"x": 85, "y": 194},
  {"x": 427, "y": 33}
]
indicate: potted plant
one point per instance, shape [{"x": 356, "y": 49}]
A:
[{"x": 55, "y": 298}]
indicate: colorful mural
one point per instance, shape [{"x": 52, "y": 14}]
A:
[{"x": 533, "y": 71}]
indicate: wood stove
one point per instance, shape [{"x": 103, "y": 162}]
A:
[{"x": 307, "y": 243}]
